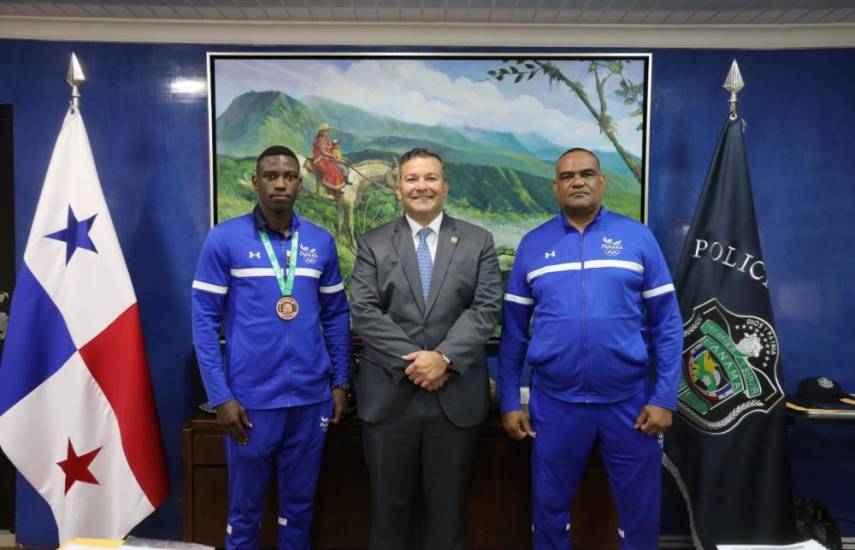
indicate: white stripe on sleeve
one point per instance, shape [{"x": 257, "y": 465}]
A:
[
  {"x": 518, "y": 299},
  {"x": 208, "y": 287},
  {"x": 331, "y": 289},
  {"x": 657, "y": 291}
]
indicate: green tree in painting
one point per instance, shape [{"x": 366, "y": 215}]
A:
[{"x": 630, "y": 93}]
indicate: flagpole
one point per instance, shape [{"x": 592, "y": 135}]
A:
[
  {"x": 733, "y": 84},
  {"x": 75, "y": 78}
]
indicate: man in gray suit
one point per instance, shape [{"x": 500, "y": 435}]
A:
[{"x": 425, "y": 295}]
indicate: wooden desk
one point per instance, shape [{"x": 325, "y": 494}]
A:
[{"x": 499, "y": 510}]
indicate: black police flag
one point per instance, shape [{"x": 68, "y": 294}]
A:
[{"x": 727, "y": 449}]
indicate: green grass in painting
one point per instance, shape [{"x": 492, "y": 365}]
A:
[{"x": 508, "y": 211}]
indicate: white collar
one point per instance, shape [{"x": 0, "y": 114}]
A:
[{"x": 415, "y": 226}]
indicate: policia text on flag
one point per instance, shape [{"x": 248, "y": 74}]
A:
[{"x": 731, "y": 257}]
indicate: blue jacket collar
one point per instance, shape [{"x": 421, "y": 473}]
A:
[
  {"x": 562, "y": 219},
  {"x": 260, "y": 223}
]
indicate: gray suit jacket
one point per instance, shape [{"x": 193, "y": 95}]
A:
[{"x": 390, "y": 314}]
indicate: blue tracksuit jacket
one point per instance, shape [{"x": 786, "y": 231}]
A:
[
  {"x": 269, "y": 363},
  {"x": 582, "y": 310}
]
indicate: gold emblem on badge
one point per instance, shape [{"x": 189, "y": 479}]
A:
[{"x": 287, "y": 308}]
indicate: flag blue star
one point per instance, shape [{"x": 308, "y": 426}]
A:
[{"x": 75, "y": 235}]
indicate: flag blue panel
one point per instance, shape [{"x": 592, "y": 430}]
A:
[{"x": 38, "y": 342}]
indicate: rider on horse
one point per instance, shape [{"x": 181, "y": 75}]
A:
[{"x": 326, "y": 157}]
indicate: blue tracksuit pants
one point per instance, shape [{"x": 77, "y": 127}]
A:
[
  {"x": 566, "y": 433},
  {"x": 289, "y": 442}
]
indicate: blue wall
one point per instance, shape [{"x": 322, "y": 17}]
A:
[{"x": 151, "y": 149}]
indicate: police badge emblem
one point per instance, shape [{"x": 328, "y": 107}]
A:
[{"x": 729, "y": 368}]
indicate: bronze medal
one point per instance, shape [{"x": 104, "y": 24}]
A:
[{"x": 287, "y": 308}]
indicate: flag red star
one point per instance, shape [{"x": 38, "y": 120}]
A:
[{"x": 76, "y": 467}]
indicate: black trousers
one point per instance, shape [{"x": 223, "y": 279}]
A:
[{"x": 420, "y": 452}]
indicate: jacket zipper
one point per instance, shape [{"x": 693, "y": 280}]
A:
[
  {"x": 286, "y": 263},
  {"x": 584, "y": 354}
]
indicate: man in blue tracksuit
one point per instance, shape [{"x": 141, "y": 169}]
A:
[
  {"x": 589, "y": 294},
  {"x": 271, "y": 281}
]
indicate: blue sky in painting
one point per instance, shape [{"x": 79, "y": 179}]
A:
[{"x": 441, "y": 92}]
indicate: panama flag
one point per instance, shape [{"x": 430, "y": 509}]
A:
[{"x": 77, "y": 415}]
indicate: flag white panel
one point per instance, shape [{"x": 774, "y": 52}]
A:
[
  {"x": 35, "y": 433},
  {"x": 91, "y": 289}
]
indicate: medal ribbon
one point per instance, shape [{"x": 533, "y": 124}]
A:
[{"x": 285, "y": 285}]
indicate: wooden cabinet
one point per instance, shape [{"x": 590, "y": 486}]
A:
[{"x": 499, "y": 511}]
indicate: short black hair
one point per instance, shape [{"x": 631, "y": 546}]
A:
[
  {"x": 581, "y": 150},
  {"x": 275, "y": 151},
  {"x": 419, "y": 152}
]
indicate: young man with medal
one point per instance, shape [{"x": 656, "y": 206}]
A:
[
  {"x": 426, "y": 293},
  {"x": 270, "y": 279}
]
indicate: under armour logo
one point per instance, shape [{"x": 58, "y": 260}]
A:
[
  {"x": 325, "y": 422},
  {"x": 256, "y": 255},
  {"x": 548, "y": 255}
]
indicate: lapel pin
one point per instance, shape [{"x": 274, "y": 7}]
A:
[{"x": 454, "y": 239}]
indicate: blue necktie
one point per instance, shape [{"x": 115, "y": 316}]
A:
[{"x": 425, "y": 262}]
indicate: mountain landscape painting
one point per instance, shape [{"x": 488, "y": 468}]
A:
[{"x": 498, "y": 123}]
